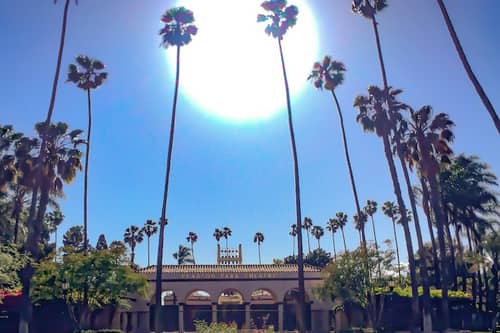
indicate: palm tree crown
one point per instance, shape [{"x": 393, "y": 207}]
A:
[
  {"x": 282, "y": 17},
  {"x": 179, "y": 27},
  {"x": 183, "y": 255},
  {"x": 328, "y": 74},
  {"x": 87, "y": 74},
  {"x": 258, "y": 238},
  {"x": 368, "y": 8},
  {"x": 133, "y": 235}
]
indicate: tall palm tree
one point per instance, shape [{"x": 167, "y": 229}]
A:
[
  {"x": 133, "y": 235},
  {"x": 217, "y": 235},
  {"x": 468, "y": 69},
  {"x": 317, "y": 232},
  {"x": 150, "y": 228},
  {"x": 54, "y": 220},
  {"x": 390, "y": 209},
  {"x": 341, "y": 221},
  {"x": 429, "y": 138},
  {"x": 329, "y": 74},
  {"x": 370, "y": 209},
  {"x": 375, "y": 115},
  {"x": 279, "y": 19},
  {"x": 359, "y": 225},
  {"x": 177, "y": 32},
  {"x": 331, "y": 226},
  {"x": 226, "y": 233},
  {"x": 192, "y": 238},
  {"x": 293, "y": 233},
  {"x": 259, "y": 239},
  {"x": 183, "y": 255},
  {"x": 86, "y": 75},
  {"x": 307, "y": 225}
]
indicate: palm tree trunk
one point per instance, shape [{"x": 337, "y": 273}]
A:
[
  {"x": 474, "y": 281},
  {"x": 258, "y": 245},
  {"x": 192, "y": 253},
  {"x": 397, "y": 249},
  {"x": 453, "y": 270},
  {"x": 461, "y": 257},
  {"x": 16, "y": 227},
  {"x": 426, "y": 294},
  {"x": 348, "y": 160},
  {"x": 293, "y": 248},
  {"x": 376, "y": 246},
  {"x": 406, "y": 228},
  {"x": 86, "y": 176},
  {"x": 343, "y": 238},
  {"x": 163, "y": 221},
  {"x": 334, "y": 250},
  {"x": 319, "y": 246},
  {"x": 25, "y": 315},
  {"x": 467, "y": 67},
  {"x": 308, "y": 243},
  {"x": 300, "y": 263},
  {"x": 426, "y": 208},
  {"x": 132, "y": 257},
  {"x": 149, "y": 254}
]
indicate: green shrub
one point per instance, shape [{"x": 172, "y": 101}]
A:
[
  {"x": 203, "y": 327},
  {"x": 106, "y": 330}
]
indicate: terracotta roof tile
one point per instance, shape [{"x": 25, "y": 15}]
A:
[{"x": 285, "y": 268}]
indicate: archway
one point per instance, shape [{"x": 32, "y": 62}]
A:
[
  {"x": 264, "y": 309},
  {"x": 169, "y": 312},
  {"x": 231, "y": 308},
  {"x": 290, "y": 305},
  {"x": 198, "y": 306},
  {"x": 168, "y": 297}
]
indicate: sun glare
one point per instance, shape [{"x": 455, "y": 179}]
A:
[{"x": 232, "y": 69}]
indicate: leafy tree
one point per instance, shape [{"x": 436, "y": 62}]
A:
[
  {"x": 259, "y": 239},
  {"x": 133, "y": 236},
  {"x": 177, "y": 32},
  {"x": 54, "y": 220},
  {"x": 307, "y": 225},
  {"x": 279, "y": 18},
  {"x": 86, "y": 75},
  {"x": 192, "y": 238},
  {"x": 102, "y": 244},
  {"x": 318, "y": 258},
  {"x": 468, "y": 69},
  {"x": 183, "y": 255},
  {"x": 73, "y": 240},
  {"x": 150, "y": 228},
  {"x": 11, "y": 262},
  {"x": 318, "y": 232}
]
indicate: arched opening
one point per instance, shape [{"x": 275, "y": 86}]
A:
[
  {"x": 198, "y": 307},
  {"x": 231, "y": 308},
  {"x": 264, "y": 309},
  {"x": 290, "y": 304},
  {"x": 168, "y": 297},
  {"x": 168, "y": 313}
]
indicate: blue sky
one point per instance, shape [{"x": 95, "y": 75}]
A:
[{"x": 239, "y": 174}]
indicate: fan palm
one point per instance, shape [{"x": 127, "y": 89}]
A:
[
  {"x": 150, "y": 228},
  {"x": 341, "y": 221},
  {"x": 133, "y": 235},
  {"x": 370, "y": 209},
  {"x": 279, "y": 18},
  {"x": 183, "y": 255},
  {"x": 293, "y": 233},
  {"x": 317, "y": 232},
  {"x": 87, "y": 77},
  {"x": 177, "y": 32},
  {"x": 468, "y": 69},
  {"x": 376, "y": 116},
  {"x": 259, "y": 239},
  {"x": 217, "y": 235},
  {"x": 192, "y": 238},
  {"x": 54, "y": 220},
  {"x": 390, "y": 209},
  {"x": 226, "y": 233},
  {"x": 328, "y": 75},
  {"x": 307, "y": 225},
  {"x": 359, "y": 224},
  {"x": 331, "y": 226}
]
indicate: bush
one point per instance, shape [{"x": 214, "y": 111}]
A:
[
  {"x": 203, "y": 327},
  {"x": 107, "y": 330}
]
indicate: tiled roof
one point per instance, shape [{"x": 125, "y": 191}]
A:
[{"x": 285, "y": 268}]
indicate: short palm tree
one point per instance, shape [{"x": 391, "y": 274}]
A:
[
  {"x": 293, "y": 233},
  {"x": 279, "y": 18},
  {"x": 192, "y": 238},
  {"x": 341, "y": 222},
  {"x": 183, "y": 255},
  {"x": 226, "y": 233},
  {"x": 331, "y": 226},
  {"x": 150, "y": 228},
  {"x": 259, "y": 239},
  {"x": 133, "y": 235},
  {"x": 307, "y": 225},
  {"x": 468, "y": 69},
  {"x": 390, "y": 209},
  {"x": 86, "y": 75},
  {"x": 177, "y": 32},
  {"x": 328, "y": 75},
  {"x": 54, "y": 220},
  {"x": 318, "y": 232}
]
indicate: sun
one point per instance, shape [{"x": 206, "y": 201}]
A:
[{"x": 232, "y": 69}]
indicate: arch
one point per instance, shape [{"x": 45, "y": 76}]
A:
[
  {"x": 168, "y": 297},
  {"x": 198, "y": 297},
  {"x": 263, "y": 296},
  {"x": 230, "y": 296}
]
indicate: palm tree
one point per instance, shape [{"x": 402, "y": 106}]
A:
[
  {"x": 377, "y": 116},
  {"x": 54, "y": 220},
  {"x": 217, "y": 235},
  {"x": 331, "y": 226},
  {"x": 226, "y": 233},
  {"x": 370, "y": 209},
  {"x": 177, "y": 32},
  {"x": 429, "y": 138},
  {"x": 329, "y": 74},
  {"x": 341, "y": 221},
  {"x": 259, "y": 239},
  {"x": 87, "y": 77},
  {"x": 183, "y": 255},
  {"x": 280, "y": 18},
  {"x": 390, "y": 209},
  {"x": 317, "y": 232},
  {"x": 293, "y": 233},
  {"x": 192, "y": 238},
  {"x": 149, "y": 230},
  {"x": 133, "y": 235},
  {"x": 307, "y": 227},
  {"x": 467, "y": 66}
]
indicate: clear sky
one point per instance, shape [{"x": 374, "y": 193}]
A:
[{"x": 239, "y": 174}]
